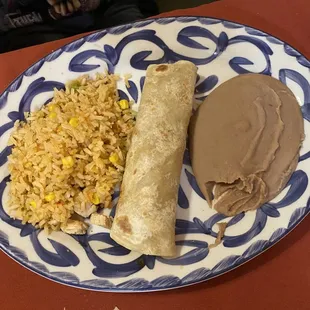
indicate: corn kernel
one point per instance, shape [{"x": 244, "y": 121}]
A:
[
  {"x": 51, "y": 107},
  {"x": 52, "y": 115},
  {"x": 67, "y": 162},
  {"x": 95, "y": 199},
  {"x": 49, "y": 197},
  {"x": 113, "y": 158},
  {"x": 74, "y": 121},
  {"x": 124, "y": 104},
  {"x": 33, "y": 204},
  {"x": 28, "y": 165}
]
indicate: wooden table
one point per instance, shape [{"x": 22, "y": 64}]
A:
[{"x": 277, "y": 279}]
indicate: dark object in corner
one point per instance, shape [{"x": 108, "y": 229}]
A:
[{"x": 29, "y": 22}]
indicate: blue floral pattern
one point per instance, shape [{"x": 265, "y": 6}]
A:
[{"x": 209, "y": 43}]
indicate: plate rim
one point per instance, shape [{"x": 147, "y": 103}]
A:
[{"x": 268, "y": 244}]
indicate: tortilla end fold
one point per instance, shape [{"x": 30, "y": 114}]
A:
[{"x": 140, "y": 248}]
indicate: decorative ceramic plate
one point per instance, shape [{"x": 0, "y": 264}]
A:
[{"x": 221, "y": 50}]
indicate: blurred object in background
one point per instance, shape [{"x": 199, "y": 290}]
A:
[
  {"x": 60, "y": 8},
  {"x": 29, "y": 22},
  {"x": 15, "y": 14}
]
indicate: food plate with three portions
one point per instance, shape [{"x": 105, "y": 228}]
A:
[{"x": 220, "y": 50}]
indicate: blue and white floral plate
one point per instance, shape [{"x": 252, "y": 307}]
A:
[{"x": 221, "y": 50}]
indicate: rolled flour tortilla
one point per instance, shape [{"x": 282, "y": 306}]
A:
[{"x": 146, "y": 211}]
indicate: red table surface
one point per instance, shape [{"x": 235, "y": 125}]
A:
[{"x": 277, "y": 279}]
